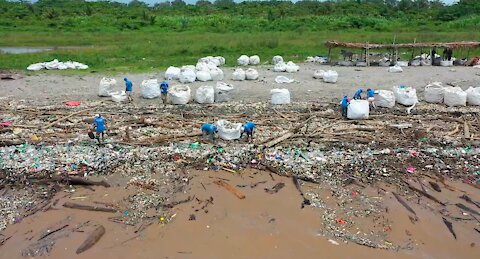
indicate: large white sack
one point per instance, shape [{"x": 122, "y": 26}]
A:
[
  {"x": 330, "y": 76},
  {"x": 187, "y": 67},
  {"x": 106, "y": 86},
  {"x": 251, "y": 74},
  {"x": 318, "y": 74},
  {"x": 36, "y": 67},
  {"x": 205, "y": 94},
  {"x": 385, "y": 98},
  {"x": 221, "y": 60},
  {"x": 401, "y": 63},
  {"x": 205, "y": 59},
  {"x": 280, "y": 96},
  {"x": 238, "y": 75},
  {"x": 395, "y": 69},
  {"x": 254, "y": 60},
  {"x": 243, "y": 60},
  {"x": 52, "y": 64},
  {"x": 446, "y": 63},
  {"x": 150, "y": 89},
  {"x": 223, "y": 92},
  {"x": 216, "y": 74},
  {"x": 79, "y": 65},
  {"x": 434, "y": 92},
  {"x": 119, "y": 97},
  {"x": 455, "y": 96},
  {"x": 405, "y": 95},
  {"x": 201, "y": 66},
  {"x": 358, "y": 110},
  {"x": 228, "y": 130},
  {"x": 180, "y": 94},
  {"x": 277, "y": 59},
  {"x": 280, "y": 67},
  {"x": 172, "y": 73},
  {"x": 292, "y": 67},
  {"x": 203, "y": 75},
  {"x": 473, "y": 95},
  {"x": 283, "y": 80},
  {"x": 187, "y": 76}
]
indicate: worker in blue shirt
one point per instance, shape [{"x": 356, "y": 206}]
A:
[
  {"x": 164, "y": 90},
  {"x": 344, "y": 103},
  {"x": 128, "y": 88},
  {"x": 209, "y": 130},
  {"x": 371, "y": 98},
  {"x": 99, "y": 126},
  {"x": 358, "y": 94},
  {"x": 248, "y": 128}
]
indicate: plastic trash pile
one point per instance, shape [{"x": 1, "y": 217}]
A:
[{"x": 56, "y": 65}]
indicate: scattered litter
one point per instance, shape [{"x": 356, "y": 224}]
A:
[
  {"x": 72, "y": 103},
  {"x": 283, "y": 80}
]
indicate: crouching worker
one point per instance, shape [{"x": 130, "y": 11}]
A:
[
  {"x": 344, "y": 103},
  {"x": 99, "y": 126},
  {"x": 248, "y": 128},
  {"x": 371, "y": 98},
  {"x": 209, "y": 130},
  {"x": 164, "y": 90},
  {"x": 358, "y": 94}
]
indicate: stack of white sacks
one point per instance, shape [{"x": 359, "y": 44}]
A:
[
  {"x": 206, "y": 69},
  {"x": 436, "y": 92}
]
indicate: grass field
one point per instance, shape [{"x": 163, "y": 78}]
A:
[{"x": 141, "y": 51}]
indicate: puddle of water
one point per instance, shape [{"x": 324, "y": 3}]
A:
[{"x": 23, "y": 50}]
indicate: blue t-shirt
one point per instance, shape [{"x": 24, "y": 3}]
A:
[
  {"x": 358, "y": 94},
  {"x": 99, "y": 124},
  {"x": 209, "y": 128},
  {"x": 370, "y": 93},
  {"x": 128, "y": 86},
  {"x": 249, "y": 126},
  {"x": 164, "y": 87},
  {"x": 345, "y": 102}
]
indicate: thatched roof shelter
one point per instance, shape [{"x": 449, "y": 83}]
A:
[{"x": 452, "y": 45}]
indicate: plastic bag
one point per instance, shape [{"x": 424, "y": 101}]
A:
[
  {"x": 277, "y": 59},
  {"x": 254, "y": 60},
  {"x": 280, "y": 67},
  {"x": 119, "y": 97},
  {"x": 205, "y": 94},
  {"x": 223, "y": 92},
  {"x": 238, "y": 75},
  {"x": 455, "y": 96},
  {"x": 187, "y": 76},
  {"x": 180, "y": 94},
  {"x": 473, "y": 95},
  {"x": 216, "y": 74},
  {"x": 358, "y": 110},
  {"x": 201, "y": 66},
  {"x": 150, "y": 89},
  {"x": 203, "y": 75},
  {"x": 228, "y": 130},
  {"x": 172, "y": 73},
  {"x": 251, "y": 74},
  {"x": 405, "y": 95},
  {"x": 221, "y": 60},
  {"x": 283, "y": 80},
  {"x": 395, "y": 69},
  {"x": 330, "y": 76},
  {"x": 106, "y": 86},
  {"x": 280, "y": 96},
  {"x": 434, "y": 92},
  {"x": 318, "y": 74},
  {"x": 243, "y": 60},
  {"x": 188, "y": 67},
  {"x": 36, "y": 67},
  {"x": 401, "y": 63},
  {"x": 385, "y": 98},
  {"x": 292, "y": 67},
  {"x": 446, "y": 63}
]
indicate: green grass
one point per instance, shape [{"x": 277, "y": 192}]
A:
[{"x": 141, "y": 51}]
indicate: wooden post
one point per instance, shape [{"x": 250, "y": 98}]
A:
[
  {"x": 367, "y": 55},
  {"x": 329, "y": 52}
]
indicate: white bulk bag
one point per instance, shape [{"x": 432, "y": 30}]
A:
[
  {"x": 473, "y": 95},
  {"x": 187, "y": 76},
  {"x": 254, "y": 60},
  {"x": 434, "y": 92},
  {"x": 119, "y": 97},
  {"x": 395, "y": 69},
  {"x": 455, "y": 96},
  {"x": 172, "y": 73},
  {"x": 283, "y": 80},
  {"x": 187, "y": 67},
  {"x": 280, "y": 67},
  {"x": 180, "y": 94},
  {"x": 280, "y": 96},
  {"x": 292, "y": 67},
  {"x": 330, "y": 76},
  {"x": 223, "y": 92},
  {"x": 401, "y": 63},
  {"x": 203, "y": 75},
  {"x": 277, "y": 59},
  {"x": 243, "y": 60},
  {"x": 358, "y": 110},
  {"x": 318, "y": 74},
  {"x": 216, "y": 74},
  {"x": 106, "y": 86},
  {"x": 150, "y": 89},
  {"x": 205, "y": 94},
  {"x": 36, "y": 67},
  {"x": 201, "y": 66},
  {"x": 251, "y": 74},
  {"x": 405, "y": 95},
  {"x": 228, "y": 130},
  {"x": 221, "y": 60},
  {"x": 385, "y": 98},
  {"x": 238, "y": 75},
  {"x": 446, "y": 63}
]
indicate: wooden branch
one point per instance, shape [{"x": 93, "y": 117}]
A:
[
  {"x": 92, "y": 239},
  {"x": 77, "y": 206},
  {"x": 230, "y": 188}
]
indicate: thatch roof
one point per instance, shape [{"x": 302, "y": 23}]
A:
[{"x": 452, "y": 45}]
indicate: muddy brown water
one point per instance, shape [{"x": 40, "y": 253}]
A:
[{"x": 262, "y": 225}]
